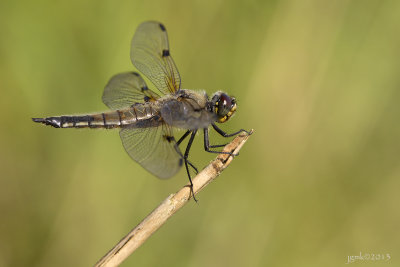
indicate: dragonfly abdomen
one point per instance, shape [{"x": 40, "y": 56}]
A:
[
  {"x": 108, "y": 120},
  {"x": 80, "y": 121}
]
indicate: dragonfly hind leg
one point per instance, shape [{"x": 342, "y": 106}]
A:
[
  {"x": 186, "y": 155},
  {"x": 179, "y": 152}
]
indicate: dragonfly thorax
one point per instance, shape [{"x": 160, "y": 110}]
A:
[{"x": 187, "y": 110}]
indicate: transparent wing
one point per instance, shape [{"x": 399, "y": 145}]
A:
[
  {"x": 153, "y": 148},
  {"x": 151, "y": 55},
  {"x": 125, "y": 89}
]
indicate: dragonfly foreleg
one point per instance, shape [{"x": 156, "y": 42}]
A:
[
  {"x": 207, "y": 145},
  {"x": 224, "y": 134}
]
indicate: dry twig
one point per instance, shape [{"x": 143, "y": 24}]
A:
[{"x": 169, "y": 206}]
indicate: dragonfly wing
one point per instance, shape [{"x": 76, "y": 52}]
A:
[
  {"x": 153, "y": 148},
  {"x": 126, "y": 89},
  {"x": 151, "y": 55}
]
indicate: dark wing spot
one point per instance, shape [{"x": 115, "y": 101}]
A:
[
  {"x": 136, "y": 74},
  {"x": 180, "y": 162},
  {"x": 162, "y": 27},
  {"x": 168, "y": 138},
  {"x": 165, "y": 53},
  {"x": 156, "y": 118},
  {"x": 145, "y": 88},
  {"x": 146, "y": 99}
]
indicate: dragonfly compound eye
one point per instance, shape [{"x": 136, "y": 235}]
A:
[{"x": 225, "y": 107}]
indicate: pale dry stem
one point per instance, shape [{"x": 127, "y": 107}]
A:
[{"x": 170, "y": 205}]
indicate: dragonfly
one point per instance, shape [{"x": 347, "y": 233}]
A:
[{"x": 146, "y": 118}]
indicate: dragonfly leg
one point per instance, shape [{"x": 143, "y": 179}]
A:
[
  {"x": 183, "y": 137},
  {"x": 179, "y": 152},
  {"x": 193, "y": 167},
  {"x": 224, "y": 134},
  {"x": 185, "y": 157},
  {"x": 187, "y": 163},
  {"x": 207, "y": 145}
]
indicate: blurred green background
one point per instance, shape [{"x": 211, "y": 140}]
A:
[{"x": 317, "y": 182}]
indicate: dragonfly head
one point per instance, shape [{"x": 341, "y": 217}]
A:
[{"x": 223, "y": 105}]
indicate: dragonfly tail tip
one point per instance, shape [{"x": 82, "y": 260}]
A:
[{"x": 40, "y": 120}]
